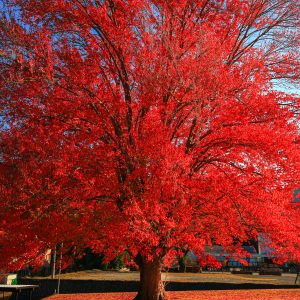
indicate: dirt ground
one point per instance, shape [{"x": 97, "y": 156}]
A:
[{"x": 225, "y": 277}]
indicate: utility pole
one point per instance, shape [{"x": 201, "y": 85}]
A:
[
  {"x": 53, "y": 263},
  {"x": 59, "y": 270}
]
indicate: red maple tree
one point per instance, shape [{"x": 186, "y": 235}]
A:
[{"x": 148, "y": 126}]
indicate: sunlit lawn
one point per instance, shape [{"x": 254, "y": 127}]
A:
[{"x": 272, "y": 294}]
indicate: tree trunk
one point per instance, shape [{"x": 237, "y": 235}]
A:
[{"x": 151, "y": 286}]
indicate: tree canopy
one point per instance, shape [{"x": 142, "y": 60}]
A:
[{"x": 148, "y": 126}]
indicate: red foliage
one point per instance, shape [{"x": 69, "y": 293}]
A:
[{"x": 151, "y": 126}]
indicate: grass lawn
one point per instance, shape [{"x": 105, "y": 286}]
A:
[
  {"x": 207, "y": 277},
  {"x": 273, "y": 294}
]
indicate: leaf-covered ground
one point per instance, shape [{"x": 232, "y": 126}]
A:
[{"x": 275, "y": 294}]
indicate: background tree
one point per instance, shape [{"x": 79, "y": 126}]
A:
[{"x": 148, "y": 126}]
